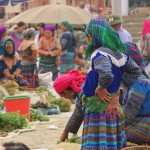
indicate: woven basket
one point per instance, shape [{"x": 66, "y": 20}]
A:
[{"x": 137, "y": 148}]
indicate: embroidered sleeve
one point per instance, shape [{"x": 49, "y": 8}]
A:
[
  {"x": 75, "y": 121},
  {"x": 132, "y": 73},
  {"x": 64, "y": 41},
  {"x": 135, "y": 101},
  {"x": 102, "y": 66}
]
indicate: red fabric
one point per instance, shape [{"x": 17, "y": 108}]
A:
[
  {"x": 146, "y": 27},
  {"x": 73, "y": 79}
]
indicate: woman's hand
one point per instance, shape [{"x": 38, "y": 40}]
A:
[
  {"x": 64, "y": 136},
  {"x": 103, "y": 94},
  {"x": 12, "y": 77},
  {"x": 34, "y": 47}
]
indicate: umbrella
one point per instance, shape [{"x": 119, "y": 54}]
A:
[{"x": 53, "y": 14}]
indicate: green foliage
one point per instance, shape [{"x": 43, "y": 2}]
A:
[
  {"x": 75, "y": 139},
  {"x": 12, "y": 121},
  {"x": 45, "y": 89},
  {"x": 39, "y": 105},
  {"x": 64, "y": 106},
  {"x": 36, "y": 116}
]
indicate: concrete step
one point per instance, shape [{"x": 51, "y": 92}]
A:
[
  {"x": 133, "y": 26},
  {"x": 136, "y": 39},
  {"x": 135, "y": 20}
]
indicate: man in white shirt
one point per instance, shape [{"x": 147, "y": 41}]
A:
[{"x": 115, "y": 22}]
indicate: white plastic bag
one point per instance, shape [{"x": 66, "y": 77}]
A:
[{"x": 45, "y": 78}]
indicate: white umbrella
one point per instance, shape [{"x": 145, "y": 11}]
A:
[{"x": 53, "y": 14}]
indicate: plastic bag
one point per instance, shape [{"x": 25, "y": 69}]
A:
[
  {"x": 11, "y": 86},
  {"x": 45, "y": 78}
]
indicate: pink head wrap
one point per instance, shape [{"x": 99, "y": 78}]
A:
[
  {"x": 73, "y": 79},
  {"x": 146, "y": 27}
]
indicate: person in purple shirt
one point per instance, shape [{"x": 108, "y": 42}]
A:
[
  {"x": 115, "y": 22},
  {"x": 17, "y": 34}
]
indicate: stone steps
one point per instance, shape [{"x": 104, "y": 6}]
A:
[{"x": 134, "y": 24}]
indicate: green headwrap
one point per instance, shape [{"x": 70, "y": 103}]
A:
[
  {"x": 103, "y": 36},
  {"x": 9, "y": 41},
  {"x": 68, "y": 25}
]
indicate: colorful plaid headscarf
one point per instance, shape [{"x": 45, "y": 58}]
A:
[
  {"x": 136, "y": 55},
  {"x": 68, "y": 25},
  {"x": 103, "y": 36}
]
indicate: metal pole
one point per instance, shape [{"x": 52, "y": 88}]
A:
[{"x": 91, "y": 6}]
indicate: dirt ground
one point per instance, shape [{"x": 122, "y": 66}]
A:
[{"x": 42, "y": 137}]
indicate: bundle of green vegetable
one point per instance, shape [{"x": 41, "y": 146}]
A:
[
  {"x": 36, "y": 116},
  {"x": 12, "y": 121},
  {"x": 75, "y": 139},
  {"x": 64, "y": 106}
]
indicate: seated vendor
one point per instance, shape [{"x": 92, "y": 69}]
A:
[{"x": 10, "y": 64}]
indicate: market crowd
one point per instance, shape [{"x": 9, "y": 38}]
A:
[{"x": 100, "y": 67}]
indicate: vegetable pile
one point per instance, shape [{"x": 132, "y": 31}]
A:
[
  {"x": 36, "y": 116},
  {"x": 12, "y": 121},
  {"x": 63, "y": 105}
]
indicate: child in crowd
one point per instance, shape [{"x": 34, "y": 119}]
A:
[{"x": 80, "y": 62}]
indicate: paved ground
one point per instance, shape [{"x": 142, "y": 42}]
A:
[{"x": 42, "y": 137}]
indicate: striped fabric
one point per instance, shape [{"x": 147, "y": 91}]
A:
[
  {"x": 67, "y": 61},
  {"x": 75, "y": 120},
  {"x": 139, "y": 131},
  {"x": 48, "y": 64},
  {"x": 102, "y": 133},
  {"x": 28, "y": 72},
  {"x": 137, "y": 113},
  {"x": 103, "y": 125}
]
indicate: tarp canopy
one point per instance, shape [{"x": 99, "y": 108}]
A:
[
  {"x": 13, "y": 2},
  {"x": 53, "y": 14}
]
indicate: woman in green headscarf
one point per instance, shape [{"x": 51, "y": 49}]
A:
[
  {"x": 103, "y": 115},
  {"x": 67, "y": 43},
  {"x": 10, "y": 64}
]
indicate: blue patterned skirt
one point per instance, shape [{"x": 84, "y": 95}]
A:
[
  {"x": 67, "y": 61},
  {"x": 103, "y": 133}
]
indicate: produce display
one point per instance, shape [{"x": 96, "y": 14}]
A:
[
  {"x": 36, "y": 116},
  {"x": 12, "y": 121},
  {"x": 64, "y": 105}
]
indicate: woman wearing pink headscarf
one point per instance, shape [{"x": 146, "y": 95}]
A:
[
  {"x": 70, "y": 86},
  {"x": 146, "y": 42},
  {"x": 49, "y": 50}
]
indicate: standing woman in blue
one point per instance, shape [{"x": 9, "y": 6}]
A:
[
  {"x": 103, "y": 115},
  {"x": 67, "y": 42}
]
